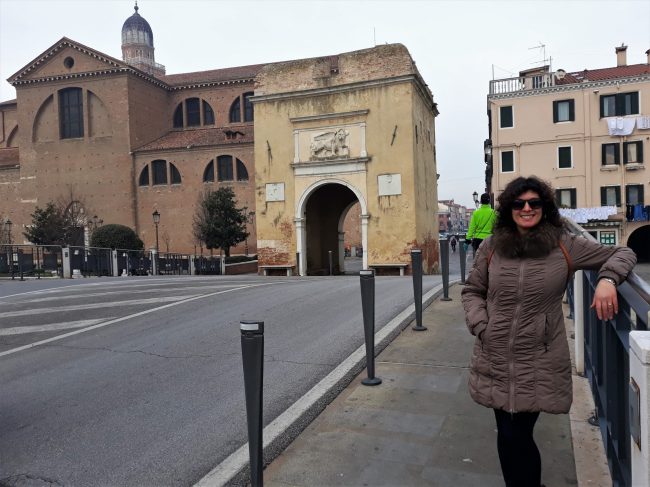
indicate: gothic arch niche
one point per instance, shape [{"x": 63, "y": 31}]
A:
[
  {"x": 323, "y": 209},
  {"x": 99, "y": 120},
  {"x": 45, "y": 128},
  {"x": 639, "y": 241}
]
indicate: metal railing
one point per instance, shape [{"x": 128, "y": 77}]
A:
[
  {"x": 522, "y": 83},
  {"x": 91, "y": 261},
  {"x": 19, "y": 261},
  {"x": 607, "y": 362}
]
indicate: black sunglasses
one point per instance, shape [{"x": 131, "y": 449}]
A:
[{"x": 534, "y": 203}]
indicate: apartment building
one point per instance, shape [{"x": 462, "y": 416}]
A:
[{"x": 586, "y": 133}]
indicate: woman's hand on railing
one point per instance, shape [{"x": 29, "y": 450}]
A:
[{"x": 605, "y": 300}]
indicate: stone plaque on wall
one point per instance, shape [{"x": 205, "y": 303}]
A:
[
  {"x": 389, "y": 184},
  {"x": 275, "y": 192}
]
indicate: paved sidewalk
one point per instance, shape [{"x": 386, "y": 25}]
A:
[{"x": 419, "y": 427}]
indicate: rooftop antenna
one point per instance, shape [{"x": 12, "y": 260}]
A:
[{"x": 543, "y": 48}]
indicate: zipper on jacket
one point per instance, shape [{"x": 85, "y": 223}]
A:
[{"x": 511, "y": 347}]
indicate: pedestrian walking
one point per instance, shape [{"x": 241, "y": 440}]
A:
[
  {"x": 480, "y": 225},
  {"x": 520, "y": 364},
  {"x": 452, "y": 242}
]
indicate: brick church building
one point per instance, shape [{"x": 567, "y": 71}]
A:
[{"x": 123, "y": 139}]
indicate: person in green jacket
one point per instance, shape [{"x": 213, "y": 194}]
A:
[{"x": 480, "y": 226}]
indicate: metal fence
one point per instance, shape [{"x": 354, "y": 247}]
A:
[
  {"x": 207, "y": 265},
  {"x": 607, "y": 364},
  {"x": 134, "y": 262},
  {"x": 19, "y": 261},
  {"x": 91, "y": 261}
]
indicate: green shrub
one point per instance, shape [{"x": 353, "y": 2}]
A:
[{"x": 115, "y": 236}]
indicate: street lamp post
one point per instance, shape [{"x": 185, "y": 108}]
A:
[
  {"x": 156, "y": 221},
  {"x": 475, "y": 196},
  {"x": 8, "y": 225}
]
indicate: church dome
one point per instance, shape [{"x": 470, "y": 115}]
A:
[{"x": 136, "y": 30}]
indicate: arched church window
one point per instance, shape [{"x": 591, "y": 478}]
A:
[
  {"x": 178, "y": 116},
  {"x": 193, "y": 112},
  {"x": 71, "y": 119},
  {"x": 175, "y": 174},
  {"x": 236, "y": 115},
  {"x": 192, "y": 116},
  {"x": 235, "y": 111},
  {"x": 242, "y": 173},
  {"x": 159, "y": 172},
  {"x": 248, "y": 107},
  {"x": 208, "y": 173},
  {"x": 143, "y": 180},
  {"x": 224, "y": 168}
]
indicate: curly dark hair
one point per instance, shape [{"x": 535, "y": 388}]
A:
[{"x": 514, "y": 189}]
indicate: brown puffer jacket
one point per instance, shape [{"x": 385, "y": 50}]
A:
[{"x": 521, "y": 361}]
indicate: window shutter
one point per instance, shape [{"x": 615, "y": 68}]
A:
[
  {"x": 625, "y": 144},
  {"x": 555, "y": 117},
  {"x": 558, "y": 198},
  {"x": 639, "y": 151},
  {"x": 604, "y": 153},
  {"x": 603, "y": 196},
  {"x": 572, "y": 110},
  {"x": 634, "y": 101},
  {"x": 573, "y": 197},
  {"x": 602, "y": 106},
  {"x": 617, "y": 153},
  {"x": 618, "y": 196},
  {"x": 641, "y": 199}
]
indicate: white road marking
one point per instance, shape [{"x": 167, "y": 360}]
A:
[
  {"x": 20, "y": 330},
  {"x": 124, "y": 291},
  {"x": 78, "y": 307},
  {"x": 135, "y": 315}
]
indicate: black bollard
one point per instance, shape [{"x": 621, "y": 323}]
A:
[
  {"x": 444, "y": 261},
  {"x": 416, "y": 268},
  {"x": 463, "y": 259},
  {"x": 329, "y": 255},
  {"x": 252, "y": 350},
  {"x": 11, "y": 262},
  {"x": 367, "y": 278}
]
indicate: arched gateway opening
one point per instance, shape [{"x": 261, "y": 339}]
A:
[
  {"x": 639, "y": 241},
  {"x": 323, "y": 212}
]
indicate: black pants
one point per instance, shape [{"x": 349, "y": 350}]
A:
[
  {"x": 521, "y": 463},
  {"x": 475, "y": 243}
]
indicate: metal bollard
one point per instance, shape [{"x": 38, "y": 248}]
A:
[
  {"x": 329, "y": 255},
  {"x": 20, "y": 264},
  {"x": 463, "y": 259},
  {"x": 367, "y": 278},
  {"x": 11, "y": 262},
  {"x": 252, "y": 350},
  {"x": 444, "y": 261},
  {"x": 416, "y": 267}
]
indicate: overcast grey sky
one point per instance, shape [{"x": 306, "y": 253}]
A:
[{"x": 454, "y": 43}]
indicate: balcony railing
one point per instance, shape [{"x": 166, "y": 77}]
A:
[{"x": 522, "y": 83}]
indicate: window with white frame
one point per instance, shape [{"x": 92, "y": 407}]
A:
[
  {"x": 564, "y": 157},
  {"x": 610, "y": 196},
  {"x": 566, "y": 198},
  {"x": 563, "y": 111},
  {"x": 607, "y": 237},
  {"x": 634, "y": 194},
  {"x": 633, "y": 152},
  {"x": 611, "y": 154},
  {"x": 508, "y": 161},
  {"x": 506, "y": 118}
]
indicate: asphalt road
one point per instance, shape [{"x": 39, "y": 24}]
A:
[{"x": 138, "y": 381}]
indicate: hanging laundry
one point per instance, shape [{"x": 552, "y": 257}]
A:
[
  {"x": 620, "y": 126},
  {"x": 638, "y": 213},
  {"x": 643, "y": 122},
  {"x": 583, "y": 215}
]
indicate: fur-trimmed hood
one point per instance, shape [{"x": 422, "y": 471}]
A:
[{"x": 537, "y": 242}]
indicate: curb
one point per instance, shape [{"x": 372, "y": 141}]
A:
[{"x": 277, "y": 435}]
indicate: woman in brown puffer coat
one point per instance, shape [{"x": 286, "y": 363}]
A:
[{"x": 520, "y": 364}]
